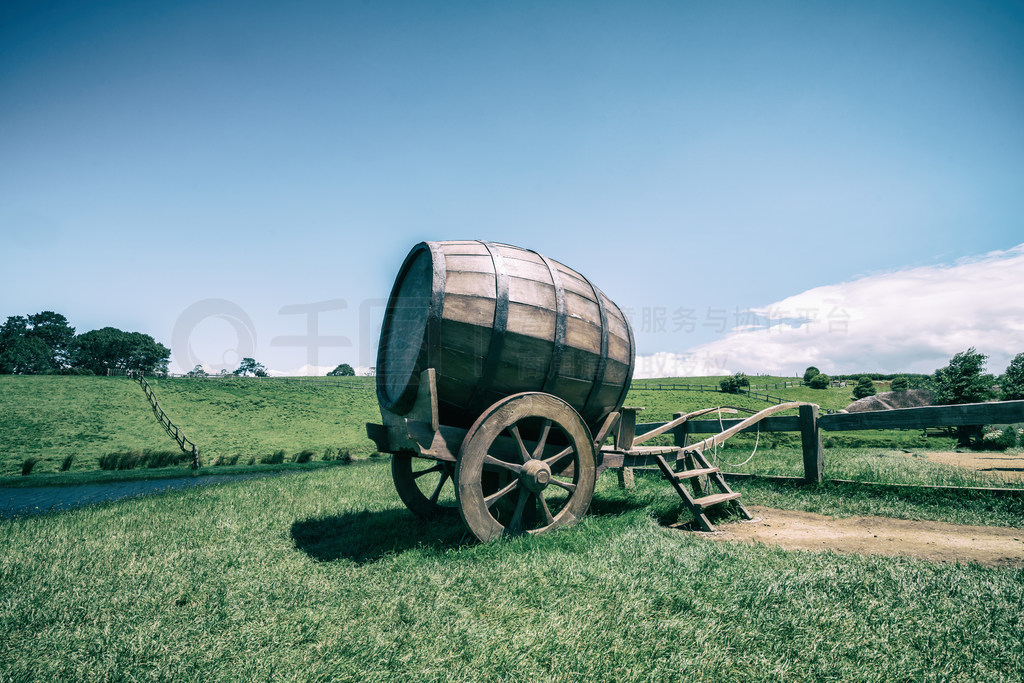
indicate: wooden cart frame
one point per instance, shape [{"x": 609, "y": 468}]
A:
[{"x": 529, "y": 462}]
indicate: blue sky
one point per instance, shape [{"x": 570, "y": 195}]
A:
[{"x": 191, "y": 170}]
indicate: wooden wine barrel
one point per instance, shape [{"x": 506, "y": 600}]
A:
[{"x": 494, "y": 320}]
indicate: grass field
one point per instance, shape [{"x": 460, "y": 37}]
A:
[
  {"x": 325, "y": 576},
  {"x": 51, "y": 417},
  {"x": 240, "y": 421}
]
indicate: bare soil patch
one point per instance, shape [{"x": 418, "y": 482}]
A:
[
  {"x": 935, "y": 541},
  {"x": 1009, "y": 467}
]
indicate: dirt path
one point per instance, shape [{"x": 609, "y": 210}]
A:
[
  {"x": 1008, "y": 467},
  {"x": 935, "y": 541}
]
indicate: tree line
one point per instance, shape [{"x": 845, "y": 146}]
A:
[
  {"x": 44, "y": 343},
  {"x": 963, "y": 380}
]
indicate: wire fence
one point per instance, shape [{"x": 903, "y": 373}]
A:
[
  {"x": 351, "y": 383},
  {"x": 186, "y": 444}
]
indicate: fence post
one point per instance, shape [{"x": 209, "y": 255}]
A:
[{"x": 810, "y": 438}]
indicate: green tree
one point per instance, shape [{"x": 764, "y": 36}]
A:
[
  {"x": 963, "y": 381},
  {"x": 34, "y": 344},
  {"x": 809, "y": 374},
  {"x": 819, "y": 381},
  {"x": 865, "y": 387},
  {"x": 1011, "y": 384},
  {"x": 343, "y": 370},
  {"x": 197, "y": 371},
  {"x": 53, "y": 330},
  {"x": 728, "y": 385},
  {"x": 249, "y": 366},
  {"x": 900, "y": 383},
  {"x": 19, "y": 353},
  {"x": 109, "y": 348}
]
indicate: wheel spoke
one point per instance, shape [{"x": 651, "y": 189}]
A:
[
  {"x": 494, "y": 462},
  {"x": 523, "y": 453},
  {"x": 571, "y": 488},
  {"x": 545, "y": 430},
  {"x": 440, "y": 485},
  {"x": 436, "y": 468},
  {"x": 554, "y": 459},
  {"x": 501, "y": 493},
  {"x": 544, "y": 509},
  {"x": 516, "y": 524}
]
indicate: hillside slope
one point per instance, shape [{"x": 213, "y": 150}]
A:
[
  {"x": 251, "y": 417},
  {"x": 51, "y": 417}
]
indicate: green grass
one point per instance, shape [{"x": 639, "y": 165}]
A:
[
  {"x": 237, "y": 421},
  {"x": 858, "y": 464},
  {"x": 51, "y": 417},
  {"x": 828, "y": 399},
  {"x": 325, "y": 576}
]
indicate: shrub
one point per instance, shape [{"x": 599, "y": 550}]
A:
[
  {"x": 819, "y": 381},
  {"x": 275, "y": 458},
  {"x": 129, "y": 460},
  {"x": 900, "y": 384},
  {"x": 343, "y": 455},
  {"x": 993, "y": 439},
  {"x": 26, "y": 467},
  {"x": 154, "y": 459},
  {"x": 304, "y": 456},
  {"x": 865, "y": 387},
  {"x": 732, "y": 385},
  {"x": 252, "y": 460},
  {"x": 810, "y": 373},
  {"x": 67, "y": 462}
]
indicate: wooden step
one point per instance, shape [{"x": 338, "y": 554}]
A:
[
  {"x": 715, "y": 498},
  {"x": 690, "y": 474}
]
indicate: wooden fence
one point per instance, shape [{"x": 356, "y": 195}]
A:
[
  {"x": 186, "y": 444},
  {"x": 660, "y": 386},
  {"x": 810, "y": 424}
]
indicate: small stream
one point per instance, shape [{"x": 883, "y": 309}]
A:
[{"x": 36, "y": 500}]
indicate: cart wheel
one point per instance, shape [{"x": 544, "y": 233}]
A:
[
  {"x": 526, "y": 466},
  {"x": 421, "y": 484}
]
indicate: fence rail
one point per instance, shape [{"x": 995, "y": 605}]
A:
[
  {"x": 661, "y": 386},
  {"x": 186, "y": 444},
  {"x": 809, "y": 424}
]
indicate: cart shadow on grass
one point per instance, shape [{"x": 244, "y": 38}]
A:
[{"x": 367, "y": 536}]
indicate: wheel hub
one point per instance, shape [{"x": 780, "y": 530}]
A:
[{"x": 535, "y": 475}]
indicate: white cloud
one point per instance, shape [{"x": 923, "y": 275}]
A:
[{"x": 910, "y": 320}]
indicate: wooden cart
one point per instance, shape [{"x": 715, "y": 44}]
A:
[{"x": 502, "y": 373}]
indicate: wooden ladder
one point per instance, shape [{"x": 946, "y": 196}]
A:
[{"x": 698, "y": 505}]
